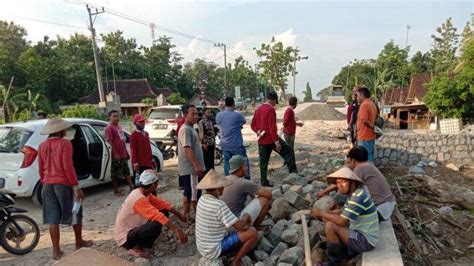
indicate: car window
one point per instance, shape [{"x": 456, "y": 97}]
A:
[
  {"x": 12, "y": 140},
  {"x": 164, "y": 114},
  {"x": 100, "y": 129},
  {"x": 91, "y": 135}
]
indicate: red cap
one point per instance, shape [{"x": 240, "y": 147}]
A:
[{"x": 138, "y": 118}]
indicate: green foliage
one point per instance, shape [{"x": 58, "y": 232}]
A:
[
  {"x": 149, "y": 101},
  {"x": 445, "y": 42},
  {"x": 82, "y": 111},
  {"x": 175, "y": 98},
  {"x": 12, "y": 44},
  {"x": 308, "y": 94},
  {"x": 394, "y": 60},
  {"x": 421, "y": 63}
]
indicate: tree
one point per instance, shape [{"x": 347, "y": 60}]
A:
[
  {"x": 394, "y": 59},
  {"x": 12, "y": 44},
  {"x": 421, "y": 63},
  {"x": 277, "y": 63},
  {"x": 198, "y": 71},
  {"x": 175, "y": 98},
  {"x": 353, "y": 75},
  {"x": 445, "y": 42},
  {"x": 380, "y": 83},
  {"x": 242, "y": 74},
  {"x": 308, "y": 94}
]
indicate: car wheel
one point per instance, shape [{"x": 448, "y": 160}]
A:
[{"x": 38, "y": 195}]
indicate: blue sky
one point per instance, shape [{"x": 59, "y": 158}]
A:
[{"x": 331, "y": 33}]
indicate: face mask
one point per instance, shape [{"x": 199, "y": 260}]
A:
[{"x": 139, "y": 127}]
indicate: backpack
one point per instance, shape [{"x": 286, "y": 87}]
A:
[{"x": 379, "y": 122}]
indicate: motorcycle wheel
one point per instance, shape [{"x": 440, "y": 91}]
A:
[
  {"x": 12, "y": 241},
  {"x": 218, "y": 157}
]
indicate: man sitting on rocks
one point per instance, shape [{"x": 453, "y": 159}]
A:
[
  {"x": 142, "y": 216},
  {"x": 236, "y": 194},
  {"x": 359, "y": 213},
  {"x": 357, "y": 160},
  {"x": 213, "y": 218}
]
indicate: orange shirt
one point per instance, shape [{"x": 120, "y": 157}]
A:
[
  {"x": 55, "y": 162},
  {"x": 367, "y": 111}
]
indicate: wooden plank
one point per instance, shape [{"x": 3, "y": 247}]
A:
[{"x": 307, "y": 247}]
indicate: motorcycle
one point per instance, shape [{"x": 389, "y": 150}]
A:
[
  {"x": 169, "y": 151},
  {"x": 218, "y": 155},
  {"x": 19, "y": 234}
]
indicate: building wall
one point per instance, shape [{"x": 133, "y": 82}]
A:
[{"x": 409, "y": 149}]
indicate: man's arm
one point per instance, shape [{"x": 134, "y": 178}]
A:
[
  {"x": 242, "y": 224},
  {"x": 326, "y": 191},
  {"x": 286, "y": 118},
  {"x": 253, "y": 124},
  {"x": 330, "y": 217},
  {"x": 133, "y": 152},
  {"x": 190, "y": 156},
  {"x": 264, "y": 193}
]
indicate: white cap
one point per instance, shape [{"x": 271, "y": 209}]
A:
[{"x": 149, "y": 177}]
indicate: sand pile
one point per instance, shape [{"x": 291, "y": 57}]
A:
[{"x": 318, "y": 111}]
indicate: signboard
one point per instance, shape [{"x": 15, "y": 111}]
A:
[{"x": 237, "y": 91}]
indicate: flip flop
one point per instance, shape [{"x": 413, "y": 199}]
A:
[{"x": 58, "y": 257}]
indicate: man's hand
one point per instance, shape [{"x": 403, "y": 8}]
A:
[
  {"x": 277, "y": 146},
  {"x": 136, "y": 167},
  {"x": 79, "y": 194},
  {"x": 316, "y": 212},
  {"x": 198, "y": 170},
  {"x": 183, "y": 217},
  {"x": 204, "y": 147},
  {"x": 247, "y": 219},
  {"x": 183, "y": 238},
  {"x": 320, "y": 194}
]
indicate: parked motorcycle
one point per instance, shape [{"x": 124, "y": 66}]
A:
[
  {"x": 218, "y": 155},
  {"x": 170, "y": 151},
  {"x": 19, "y": 234}
]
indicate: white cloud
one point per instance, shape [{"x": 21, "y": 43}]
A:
[{"x": 288, "y": 38}]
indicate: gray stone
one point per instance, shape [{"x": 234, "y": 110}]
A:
[
  {"x": 265, "y": 245},
  {"x": 246, "y": 261},
  {"x": 292, "y": 235},
  {"x": 314, "y": 238},
  {"x": 296, "y": 217},
  {"x": 271, "y": 261},
  {"x": 311, "y": 197},
  {"x": 296, "y": 200},
  {"x": 268, "y": 222},
  {"x": 203, "y": 261},
  {"x": 416, "y": 170},
  {"x": 440, "y": 157},
  {"x": 317, "y": 225},
  {"x": 296, "y": 188},
  {"x": 295, "y": 179},
  {"x": 284, "y": 264},
  {"x": 434, "y": 228},
  {"x": 259, "y": 264},
  {"x": 285, "y": 188},
  {"x": 279, "y": 249},
  {"x": 324, "y": 203},
  {"x": 281, "y": 209},
  {"x": 452, "y": 167},
  {"x": 277, "y": 194},
  {"x": 142, "y": 262},
  {"x": 319, "y": 184},
  {"x": 292, "y": 256},
  {"x": 275, "y": 234},
  {"x": 307, "y": 171},
  {"x": 308, "y": 188},
  {"x": 260, "y": 255}
]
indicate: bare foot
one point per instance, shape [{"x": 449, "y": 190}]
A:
[
  {"x": 57, "y": 255},
  {"x": 118, "y": 193},
  {"x": 139, "y": 253},
  {"x": 85, "y": 244}
]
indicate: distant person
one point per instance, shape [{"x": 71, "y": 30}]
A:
[
  {"x": 214, "y": 219},
  {"x": 289, "y": 122},
  {"x": 352, "y": 111},
  {"x": 142, "y": 217},
  {"x": 207, "y": 135},
  {"x": 264, "y": 124},
  {"x": 59, "y": 180},
  {"x": 236, "y": 194},
  {"x": 41, "y": 115},
  {"x": 116, "y": 138},
  {"x": 375, "y": 181},
  {"x": 140, "y": 149},
  {"x": 190, "y": 159},
  {"x": 230, "y": 125},
  {"x": 366, "y": 122}
]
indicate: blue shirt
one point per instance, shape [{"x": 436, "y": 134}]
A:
[{"x": 230, "y": 123}]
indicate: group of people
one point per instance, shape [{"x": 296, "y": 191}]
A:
[{"x": 231, "y": 208}]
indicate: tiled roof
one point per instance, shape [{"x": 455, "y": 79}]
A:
[{"x": 418, "y": 88}]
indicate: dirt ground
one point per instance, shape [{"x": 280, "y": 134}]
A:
[{"x": 313, "y": 141}]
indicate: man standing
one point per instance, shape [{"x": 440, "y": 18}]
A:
[
  {"x": 190, "y": 159},
  {"x": 142, "y": 216},
  {"x": 140, "y": 149},
  {"x": 214, "y": 218},
  {"x": 236, "y": 194},
  {"x": 207, "y": 136},
  {"x": 230, "y": 125},
  {"x": 116, "y": 138},
  {"x": 352, "y": 111},
  {"x": 59, "y": 179},
  {"x": 366, "y": 122},
  {"x": 355, "y": 228},
  {"x": 264, "y": 124},
  {"x": 289, "y": 122}
]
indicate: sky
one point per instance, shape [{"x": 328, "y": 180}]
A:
[{"x": 330, "y": 33}]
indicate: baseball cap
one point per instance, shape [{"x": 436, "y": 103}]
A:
[
  {"x": 272, "y": 95},
  {"x": 236, "y": 162},
  {"x": 138, "y": 118},
  {"x": 149, "y": 177}
]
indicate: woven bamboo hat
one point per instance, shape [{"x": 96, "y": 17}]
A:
[
  {"x": 345, "y": 173},
  {"x": 213, "y": 180},
  {"x": 55, "y": 125}
]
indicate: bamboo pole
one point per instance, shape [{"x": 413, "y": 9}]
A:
[{"x": 307, "y": 247}]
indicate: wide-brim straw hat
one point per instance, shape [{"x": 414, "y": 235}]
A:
[
  {"x": 55, "y": 125},
  {"x": 213, "y": 180},
  {"x": 344, "y": 173}
]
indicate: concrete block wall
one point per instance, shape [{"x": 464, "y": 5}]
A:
[{"x": 410, "y": 148}]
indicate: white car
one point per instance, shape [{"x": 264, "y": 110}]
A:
[
  {"x": 161, "y": 121},
  {"x": 19, "y": 144}
]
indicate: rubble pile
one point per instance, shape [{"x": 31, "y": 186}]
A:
[{"x": 318, "y": 111}]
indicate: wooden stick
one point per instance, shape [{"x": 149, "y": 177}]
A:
[
  {"x": 407, "y": 230},
  {"x": 307, "y": 247},
  {"x": 398, "y": 187}
]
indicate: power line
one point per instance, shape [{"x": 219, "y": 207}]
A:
[{"x": 50, "y": 22}]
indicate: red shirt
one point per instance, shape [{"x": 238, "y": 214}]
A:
[
  {"x": 140, "y": 150},
  {"x": 114, "y": 134},
  {"x": 350, "y": 108},
  {"x": 181, "y": 121},
  {"x": 264, "y": 119},
  {"x": 55, "y": 162},
  {"x": 289, "y": 122}
]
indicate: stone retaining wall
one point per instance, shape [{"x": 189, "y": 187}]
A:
[{"x": 409, "y": 149}]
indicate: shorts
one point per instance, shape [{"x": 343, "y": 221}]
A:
[
  {"x": 189, "y": 183},
  {"x": 253, "y": 209},
  {"x": 58, "y": 201},
  {"x": 357, "y": 243},
  {"x": 119, "y": 169},
  {"x": 230, "y": 242}
]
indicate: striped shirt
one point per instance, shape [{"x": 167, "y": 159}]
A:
[
  {"x": 360, "y": 210},
  {"x": 213, "y": 218}
]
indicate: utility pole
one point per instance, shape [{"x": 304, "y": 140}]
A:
[
  {"x": 406, "y": 42},
  {"x": 152, "y": 28},
  {"x": 225, "y": 65},
  {"x": 94, "y": 47}
]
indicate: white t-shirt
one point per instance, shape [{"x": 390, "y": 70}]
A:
[{"x": 213, "y": 218}]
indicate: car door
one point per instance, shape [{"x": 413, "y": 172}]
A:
[{"x": 98, "y": 151}]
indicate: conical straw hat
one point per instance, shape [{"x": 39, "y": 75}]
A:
[
  {"x": 345, "y": 173},
  {"x": 213, "y": 180},
  {"x": 55, "y": 125}
]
